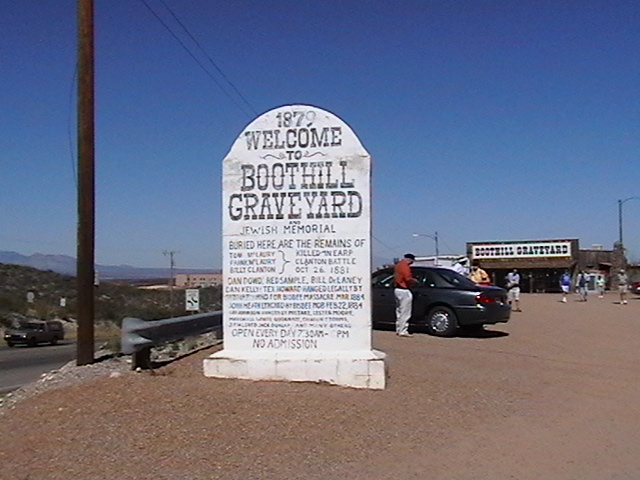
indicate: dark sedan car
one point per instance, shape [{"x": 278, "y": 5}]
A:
[{"x": 443, "y": 301}]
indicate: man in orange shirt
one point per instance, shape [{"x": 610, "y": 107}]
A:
[{"x": 403, "y": 279}]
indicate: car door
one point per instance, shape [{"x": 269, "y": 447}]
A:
[
  {"x": 383, "y": 302},
  {"x": 441, "y": 286},
  {"x": 425, "y": 292}
]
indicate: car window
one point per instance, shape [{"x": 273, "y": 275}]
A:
[
  {"x": 424, "y": 277},
  {"x": 32, "y": 326},
  {"x": 382, "y": 279},
  {"x": 449, "y": 279}
]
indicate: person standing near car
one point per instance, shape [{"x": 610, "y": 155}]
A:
[
  {"x": 478, "y": 275},
  {"x": 513, "y": 289},
  {"x": 623, "y": 286},
  {"x": 403, "y": 279},
  {"x": 461, "y": 266},
  {"x": 565, "y": 285}
]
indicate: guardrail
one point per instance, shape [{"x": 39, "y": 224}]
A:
[{"x": 139, "y": 336}]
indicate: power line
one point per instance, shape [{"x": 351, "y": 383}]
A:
[
  {"x": 209, "y": 58},
  {"x": 72, "y": 151},
  {"x": 395, "y": 249},
  {"x": 182, "y": 44},
  {"x": 383, "y": 244}
]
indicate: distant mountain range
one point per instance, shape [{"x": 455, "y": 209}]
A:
[{"x": 66, "y": 265}]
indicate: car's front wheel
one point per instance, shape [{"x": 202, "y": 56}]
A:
[{"x": 441, "y": 321}]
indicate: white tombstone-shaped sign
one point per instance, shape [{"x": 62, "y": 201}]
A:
[{"x": 297, "y": 253}]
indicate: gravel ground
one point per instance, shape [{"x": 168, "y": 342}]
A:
[
  {"x": 550, "y": 395},
  {"x": 106, "y": 365}
]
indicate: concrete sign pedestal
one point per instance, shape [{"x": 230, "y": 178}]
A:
[
  {"x": 347, "y": 369},
  {"x": 297, "y": 253}
]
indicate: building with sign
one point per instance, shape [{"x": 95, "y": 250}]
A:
[
  {"x": 198, "y": 280},
  {"x": 541, "y": 262}
]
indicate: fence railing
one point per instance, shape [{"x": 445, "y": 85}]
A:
[{"x": 138, "y": 336}]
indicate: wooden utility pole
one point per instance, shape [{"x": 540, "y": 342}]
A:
[
  {"x": 170, "y": 254},
  {"x": 86, "y": 185}
]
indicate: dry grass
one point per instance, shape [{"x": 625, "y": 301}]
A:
[{"x": 106, "y": 333}]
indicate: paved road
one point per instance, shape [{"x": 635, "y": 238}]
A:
[{"x": 20, "y": 365}]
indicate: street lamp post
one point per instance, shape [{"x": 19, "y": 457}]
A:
[
  {"x": 620, "y": 202},
  {"x": 435, "y": 238}
]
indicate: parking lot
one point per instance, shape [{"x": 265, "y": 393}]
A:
[{"x": 550, "y": 395}]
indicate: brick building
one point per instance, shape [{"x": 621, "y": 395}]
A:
[{"x": 198, "y": 280}]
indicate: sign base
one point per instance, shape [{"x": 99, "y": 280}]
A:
[{"x": 349, "y": 369}]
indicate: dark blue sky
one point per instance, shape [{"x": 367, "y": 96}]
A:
[{"x": 486, "y": 120}]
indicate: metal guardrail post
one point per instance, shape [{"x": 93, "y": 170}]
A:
[
  {"x": 141, "y": 359},
  {"x": 139, "y": 336}
]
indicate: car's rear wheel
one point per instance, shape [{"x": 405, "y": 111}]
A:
[
  {"x": 54, "y": 341},
  {"x": 441, "y": 321}
]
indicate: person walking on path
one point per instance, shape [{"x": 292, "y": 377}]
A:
[
  {"x": 623, "y": 286},
  {"x": 600, "y": 285},
  {"x": 513, "y": 289},
  {"x": 583, "y": 280},
  {"x": 403, "y": 279},
  {"x": 478, "y": 275},
  {"x": 565, "y": 285}
]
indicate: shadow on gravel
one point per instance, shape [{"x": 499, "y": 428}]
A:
[
  {"x": 152, "y": 364},
  {"x": 475, "y": 332},
  {"x": 481, "y": 333},
  {"x": 462, "y": 332}
]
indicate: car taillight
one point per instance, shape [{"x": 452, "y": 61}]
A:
[{"x": 483, "y": 299}]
